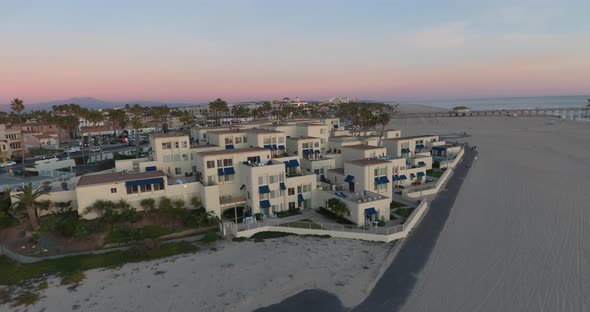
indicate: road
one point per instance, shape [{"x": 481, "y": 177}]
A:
[{"x": 399, "y": 279}]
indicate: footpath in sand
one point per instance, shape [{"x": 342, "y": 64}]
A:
[{"x": 517, "y": 236}]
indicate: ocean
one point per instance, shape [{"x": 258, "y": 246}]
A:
[{"x": 508, "y": 102}]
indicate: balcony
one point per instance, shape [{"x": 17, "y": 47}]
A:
[{"x": 227, "y": 201}]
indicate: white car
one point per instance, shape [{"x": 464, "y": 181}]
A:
[
  {"x": 95, "y": 149},
  {"x": 9, "y": 163}
]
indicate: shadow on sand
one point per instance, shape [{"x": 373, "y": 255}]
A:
[{"x": 399, "y": 279}]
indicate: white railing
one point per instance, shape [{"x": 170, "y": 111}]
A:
[{"x": 371, "y": 233}]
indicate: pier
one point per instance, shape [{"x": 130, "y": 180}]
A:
[{"x": 573, "y": 113}]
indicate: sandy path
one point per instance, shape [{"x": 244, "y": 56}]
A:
[
  {"x": 516, "y": 239},
  {"x": 237, "y": 276}
]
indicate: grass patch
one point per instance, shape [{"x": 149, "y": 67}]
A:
[
  {"x": 210, "y": 237},
  {"x": 304, "y": 224},
  {"x": 124, "y": 233},
  {"x": 435, "y": 174},
  {"x": 239, "y": 239},
  {"x": 43, "y": 285},
  {"x": 26, "y": 299},
  {"x": 328, "y": 213},
  {"x": 395, "y": 204},
  {"x": 261, "y": 236},
  {"x": 288, "y": 213},
  {"x": 404, "y": 212},
  {"x": 12, "y": 272},
  {"x": 73, "y": 278}
]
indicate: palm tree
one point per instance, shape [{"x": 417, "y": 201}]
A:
[
  {"x": 17, "y": 106},
  {"x": 218, "y": 106},
  {"x": 338, "y": 207},
  {"x": 26, "y": 198},
  {"x": 118, "y": 119},
  {"x": 136, "y": 123}
]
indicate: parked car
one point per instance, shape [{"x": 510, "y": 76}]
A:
[
  {"x": 9, "y": 163},
  {"x": 73, "y": 149}
]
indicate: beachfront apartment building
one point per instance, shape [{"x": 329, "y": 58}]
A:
[
  {"x": 408, "y": 146},
  {"x": 10, "y": 141},
  {"x": 172, "y": 154}
]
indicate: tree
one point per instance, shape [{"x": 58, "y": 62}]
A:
[
  {"x": 118, "y": 119},
  {"x": 338, "y": 207},
  {"x": 382, "y": 119},
  {"x": 240, "y": 111},
  {"x": 28, "y": 200},
  {"x": 266, "y": 108},
  {"x": 187, "y": 119},
  {"x": 217, "y": 108},
  {"x": 69, "y": 123},
  {"x": 17, "y": 106},
  {"x": 136, "y": 123}
]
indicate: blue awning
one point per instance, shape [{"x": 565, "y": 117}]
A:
[
  {"x": 384, "y": 179},
  {"x": 419, "y": 146},
  {"x": 412, "y": 175},
  {"x": 264, "y": 204},
  {"x": 300, "y": 197},
  {"x": 370, "y": 211},
  {"x": 349, "y": 178},
  {"x": 287, "y": 164},
  {"x": 144, "y": 182},
  {"x": 275, "y": 147},
  {"x": 305, "y": 152},
  {"x": 403, "y": 177},
  {"x": 282, "y": 147},
  {"x": 229, "y": 146},
  {"x": 220, "y": 171},
  {"x": 377, "y": 180},
  {"x": 294, "y": 163},
  {"x": 229, "y": 170},
  {"x": 394, "y": 178},
  {"x": 406, "y": 150},
  {"x": 283, "y": 186},
  {"x": 317, "y": 151},
  {"x": 263, "y": 189},
  {"x": 421, "y": 163},
  {"x": 267, "y": 146},
  {"x": 421, "y": 174},
  {"x": 242, "y": 187},
  {"x": 150, "y": 168}
]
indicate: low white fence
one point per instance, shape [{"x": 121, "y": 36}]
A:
[
  {"x": 418, "y": 192},
  {"x": 388, "y": 234}
]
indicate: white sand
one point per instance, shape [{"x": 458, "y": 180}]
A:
[
  {"x": 239, "y": 276},
  {"x": 518, "y": 237}
]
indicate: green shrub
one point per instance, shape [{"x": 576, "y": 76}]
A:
[
  {"x": 199, "y": 218},
  {"x": 288, "y": 213},
  {"x": 165, "y": 203},
  {"x": 148, "y": 204},
  {"x": 178, "y": 204},
  {"x": 73, "y": 278},
  {"x": 261, "y": 236},
  {"x": 123, "y": 233},
  {"x": 210, "y": 237},
  {"x": 26, "y": 299}
]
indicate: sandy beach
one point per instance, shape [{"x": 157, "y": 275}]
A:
[
  {"x": 233, "y": 276},
  {"x": 516, "y": 237}
]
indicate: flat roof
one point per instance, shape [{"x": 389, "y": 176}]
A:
[
  {"x": 411, "y": 137},
  {"x": 339, "y": 171},
  {"x": 232, "y": 151},
  {"x": 203, "y": 146},
  {"x": 86, "y": 180},
  {"x": 362, "y": 147},
  {"x": 368, "y": 162},
  {"x": 169, "y": 135},
  {"x": 247, "y": 130},
  {"x": 303, "y": 137}
]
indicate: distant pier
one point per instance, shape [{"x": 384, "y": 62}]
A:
[{"x": 573, "y": 113}]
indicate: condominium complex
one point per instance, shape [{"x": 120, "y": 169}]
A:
[{"x": 266, "y": 168}]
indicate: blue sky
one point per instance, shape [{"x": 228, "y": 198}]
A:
[{"x": 194, "y": 50}]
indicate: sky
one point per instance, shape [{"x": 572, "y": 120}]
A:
[{"x": 196, "y": 51}]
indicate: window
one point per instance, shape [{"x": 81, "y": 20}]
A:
[
  {"x": 219, "y": 163},
  {"x": 316, "y": 144},
  {"x": 184, "y": 156},
  {"x": 145, "y": 188},
  {"x": 281, "y": 139},
  {"x": 158, "y": 186},
  {"x": 323, "y": 141},
  {"x": 210, "y": 180},
  {"x": 266, "y": 140},
  {"x": 210, "y": 164},
  {"x": 229, "y": 177},
  {"x": 229, "y": 140},
  {"x": 245, "y": 139},
  {"x": 177, "y": 171},
  {"x": 299, "y": 189},
  {"x": 291, "y": 205},
  {"x": 272, "y": 179},
  {"x": 322, "y": 131},
  {"x": 376, "y": 171},
  {"x": 132, "y": 189},
  {"x": 166, "y": 145},
  {"x": 291, "y": 191},
  {"x": 282, "y": 177},
  {"x": 184, "y": 144},
  {"x": 383, "y": 171},
  {"x": 274, "y": 140},
  {"x": 262, "y": 180},
  {"x": 228, "y": 162},
  {"x": 238, "y": 140},
  {"x": 281, "y": 192},
  {"x": 264, "y": 196},
  {"x": 305, "y": 145},
  {"x": 113, "y": 190},
  {"x": 248, "y": 194},
  {"x": 220, "y": 179},
  {"x": 274, "y": 194}
]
